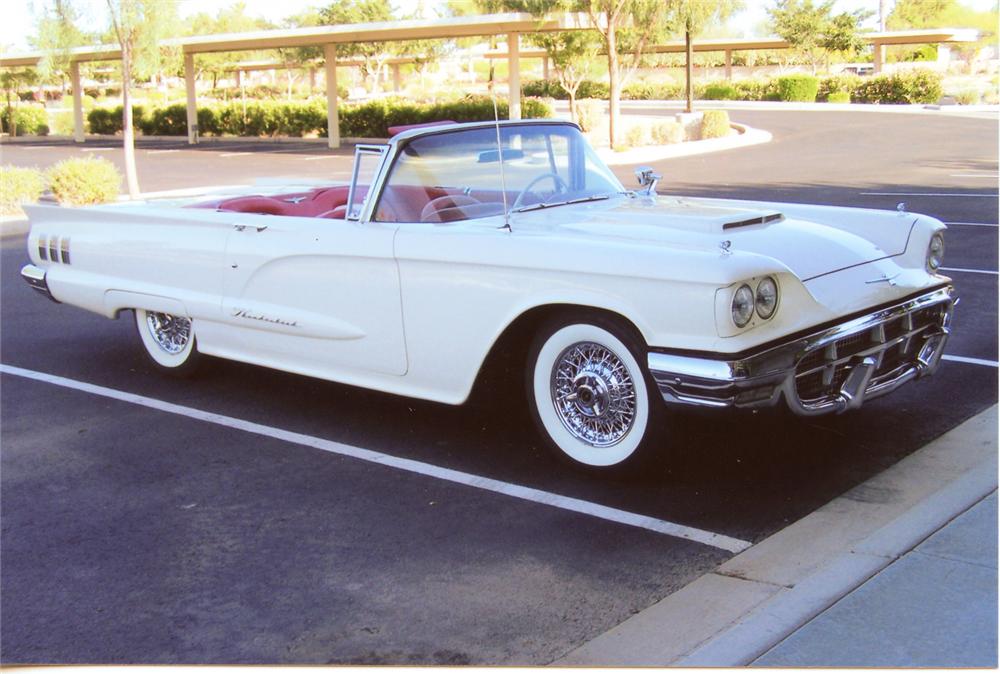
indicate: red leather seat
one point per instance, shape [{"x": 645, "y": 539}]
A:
[{"x": 258, "y": 204}]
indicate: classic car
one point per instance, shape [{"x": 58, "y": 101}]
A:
[{"x": 450, "y": 238}]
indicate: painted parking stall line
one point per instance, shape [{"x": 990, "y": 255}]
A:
[
  {"x": 720, "y": 541},
  {"x": 927, "y": 194},
  {"x": 971, "y": 361},
  {"x": 969, "y": 271}
]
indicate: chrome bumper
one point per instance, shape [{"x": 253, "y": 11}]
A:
[
  {"x": 832, "y": 370},
  {"x": 35, "y": 277}
]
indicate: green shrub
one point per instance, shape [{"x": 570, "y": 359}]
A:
[
  {"x": 715, "y": 124},
  {"x": 915, "y": 86},
  {"x": 26, "y": 120},
  {"x": 297, "y": 119},
  {"x": 84, "y": 180},
  {"x": 667, "y": 133},
  {"x": 967, "y": 97},
  {"x": 755, "y": 90},
  {"x": 552, "y": 89},
  {"x": 17, "y": 186},
  {"x": 838, "y": 97},
  {"x": 637, "y": 135},
  {"x": 719, "y": 91},
  {"x": 798, "y": 87},
  {"x": 837, "y": 84},
  {"x": 589, "y": 113},
  {"x": 108, "y": 121},
  {"x": 652, "y": 91}
]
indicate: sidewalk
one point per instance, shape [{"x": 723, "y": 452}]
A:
[
  {"x": 900, "y": 571},
  {"x": 936, "y": 606}
]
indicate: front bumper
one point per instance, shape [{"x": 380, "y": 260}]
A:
[{"x": 831, "y": 370}]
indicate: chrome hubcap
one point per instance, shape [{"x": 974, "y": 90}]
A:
[
  {"x": 593, "y": 394},
  {"x": 171, "y": 333}
]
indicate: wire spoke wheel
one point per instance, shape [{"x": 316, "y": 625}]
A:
[
  {"x": 171, "y": 333},
  {"x": 593, "y": 394}
]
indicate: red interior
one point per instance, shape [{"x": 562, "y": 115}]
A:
[{"x": 402, "y": 203}]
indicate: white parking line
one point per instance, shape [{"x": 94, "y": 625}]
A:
[
  {"x": 969, "y": 271},
  {"x": 971, "y": 361},
  {"x": 989, "y": 176},
  {"x": 973, "y": 224},
  {"x": 98, "y": 149},
  {"x": 927, "y": 194},
  {"x": 720, "y": 541},
  {"x": 233, "y": 154},
  {"x": 161, "y": 151},
  {"x": 322, "y": 156}
]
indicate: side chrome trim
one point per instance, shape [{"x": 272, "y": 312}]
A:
[
  {"x": 762, "y": 379},
  {"x": 35, "y": 277}
]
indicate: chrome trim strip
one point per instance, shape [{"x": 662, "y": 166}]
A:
[
  {"x": 763, "y": 378},
  {"x": 35, "y": 277}
]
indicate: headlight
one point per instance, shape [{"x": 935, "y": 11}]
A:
[
  {"x": 742, "y": 306},
  {"x": 767, "y": 298},
  {"x": 935, "y": 252}
]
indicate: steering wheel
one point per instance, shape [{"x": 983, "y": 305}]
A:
[{"x": 558, "y": 182}]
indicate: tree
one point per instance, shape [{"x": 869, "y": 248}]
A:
[
  {"x": 813, "y": 31},
  {"x": 232, "y": 19},
  {"x": 56, "y": 33},
  {"x": 626, "y": 27},
  {"x": 693, "y": 18},
  {"x": 372, "y": 54},
  {"x": 572, "y": 54},
  {"x": 138, "y": 26}
]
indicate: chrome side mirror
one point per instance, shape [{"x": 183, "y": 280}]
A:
[{"x": 647, "y": 178}]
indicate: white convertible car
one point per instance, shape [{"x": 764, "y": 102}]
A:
[{"x": 452, "y": 237}]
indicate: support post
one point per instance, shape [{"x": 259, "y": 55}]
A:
[
  {"x": 397, "y": 78},
  {"x": 879, "y": 56},
  {"x": 332, "y": 117},
  {"x": 514, "y": 75},
  {"x": 545, "y": 67},
  {"x": 239, "y": 78},
  {"x": 312, "y": 79},
  {"x": 74, "y": 74},
  {"x": 729, "y": 64},
  {"x": 192, "y": 103}
]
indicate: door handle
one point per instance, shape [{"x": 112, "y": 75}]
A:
[{"x": 258, "y": 228}]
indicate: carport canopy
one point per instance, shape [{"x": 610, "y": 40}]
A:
[{"x": 512, "y": 25}]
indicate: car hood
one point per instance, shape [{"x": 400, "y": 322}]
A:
[{"x": 808, "y": 240}]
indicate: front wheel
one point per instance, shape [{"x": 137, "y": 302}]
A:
[
  {"x": 589, "y": 395},
  {"x": 168, "y": 341}
]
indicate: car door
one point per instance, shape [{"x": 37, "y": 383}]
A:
[{"x": 313, "y": 295}]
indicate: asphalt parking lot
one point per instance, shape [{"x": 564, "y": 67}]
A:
[{"x": 136, "y": 532}]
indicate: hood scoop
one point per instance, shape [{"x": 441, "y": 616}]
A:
[{"x": 762, "y": 220}]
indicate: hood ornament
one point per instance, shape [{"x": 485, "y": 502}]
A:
[
  {"x": 901, "y": 207},
  {"x": 647, "y": 178},
  {"x": 725, "y": 247}
]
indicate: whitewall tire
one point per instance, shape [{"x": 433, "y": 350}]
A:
[
  {"x": 589, "y": 394},
  {"x": 168, "y": 341}
]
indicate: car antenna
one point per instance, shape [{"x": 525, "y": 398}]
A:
[{"x": 503, "y": 181}]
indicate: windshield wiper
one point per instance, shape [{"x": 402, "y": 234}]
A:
[{"x": 550, "y": 204}]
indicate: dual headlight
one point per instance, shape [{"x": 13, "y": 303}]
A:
[
  {"x": 763, "y": 300},
  {"x": 935, "y": 252}
]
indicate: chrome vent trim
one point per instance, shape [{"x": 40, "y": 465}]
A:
[
  {"x": 64, "y": 250},
  {"x": 43, "y": 248},
  {"x": 762, "y": 220}
]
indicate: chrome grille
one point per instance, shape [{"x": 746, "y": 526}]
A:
[{"x": 894, "y": 343}]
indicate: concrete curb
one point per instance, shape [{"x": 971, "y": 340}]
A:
[
  {"x": 745, "y": 137},
  {"x": 755, "y": 600},
  {"x": 13, "y": 225}
]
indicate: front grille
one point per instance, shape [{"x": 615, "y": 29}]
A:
[{"x": 893, "y": 343}]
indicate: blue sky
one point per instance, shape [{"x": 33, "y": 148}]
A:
[{"x": 18, "y": 20}]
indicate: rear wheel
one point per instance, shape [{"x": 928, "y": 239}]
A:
[
  {"x": 168, "y": 341},
  {"x": 589, "y": 394}
]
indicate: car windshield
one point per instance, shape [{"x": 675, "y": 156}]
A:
[{"x": 457, "y": 175}]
